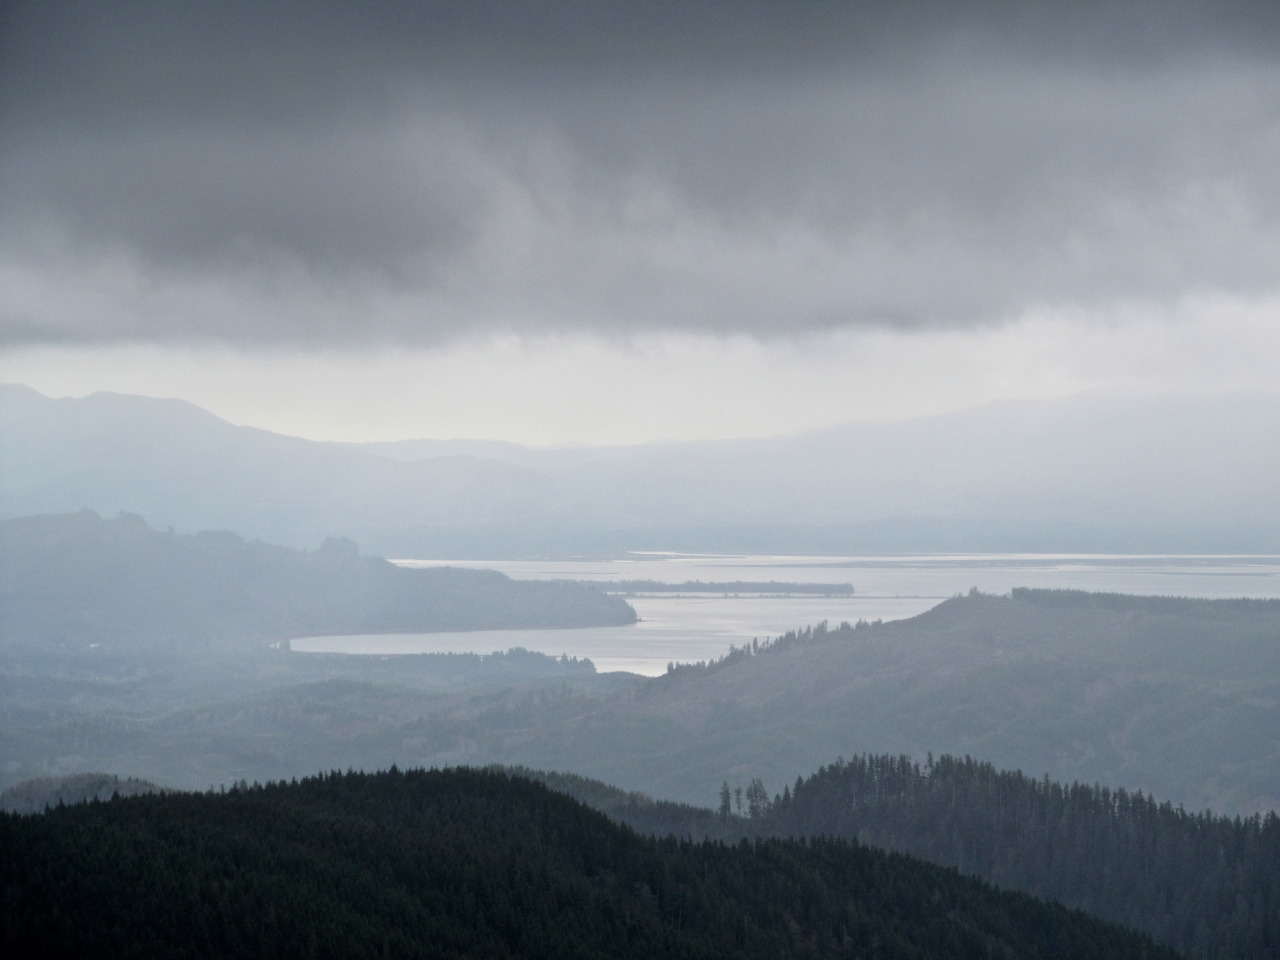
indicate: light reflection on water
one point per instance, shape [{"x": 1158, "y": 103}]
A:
[{"x": 685, "y": 629}]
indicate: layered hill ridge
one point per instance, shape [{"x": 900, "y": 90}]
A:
[
  {"x": 1182, "y": 473},
  {"x": 1180, "y": 699},
  {"x": 471, "y": 864},
  {"x": 1205, "y": 884},
  {"x": 1177, "y": 697}
]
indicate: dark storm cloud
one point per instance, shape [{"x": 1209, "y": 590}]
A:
[{"x": 411, "y": 172}]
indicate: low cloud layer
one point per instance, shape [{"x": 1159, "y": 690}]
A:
[{"x": 320, "y": 174}]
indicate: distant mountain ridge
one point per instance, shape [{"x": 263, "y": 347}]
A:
[{"x": 1180, "y": 473}]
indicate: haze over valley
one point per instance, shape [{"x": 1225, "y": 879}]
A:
[{"x": 702, "y": 479}]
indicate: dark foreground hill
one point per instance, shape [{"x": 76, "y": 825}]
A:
[
  {"x": 478, "y": 864},
  {"x": 1205, "y": 884},
  {"x": 71, "y": 580}
]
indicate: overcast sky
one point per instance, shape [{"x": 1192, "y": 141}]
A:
[{"x": 623, "y": 221}]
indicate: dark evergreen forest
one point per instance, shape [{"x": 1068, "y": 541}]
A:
[
  {"x": 1207, "y": 884},
  {"x": 469, "y": 863}
]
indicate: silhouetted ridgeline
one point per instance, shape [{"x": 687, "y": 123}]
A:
[
  {"x": 478, "y": 864},
  {"x": 74, "y": 579},
  {"x": 641, "y": 812},
  {"x": 790, "y": 640}
]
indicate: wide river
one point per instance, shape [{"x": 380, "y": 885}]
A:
[{"x": 691, "y": 628}]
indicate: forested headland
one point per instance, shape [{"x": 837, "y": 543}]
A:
[{"x": 71, "y": 580}]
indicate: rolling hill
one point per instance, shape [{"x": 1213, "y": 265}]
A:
[{"x": 1176, "y": 698}]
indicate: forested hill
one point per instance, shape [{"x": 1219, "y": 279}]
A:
[
  {"x": 479, "y": 864},
  {"x": 76, "y": 579},
  {"x": 1209, "y": 885},
  {"x": 1180, "y": 697},
  {"x": 1180, "y": 703}
]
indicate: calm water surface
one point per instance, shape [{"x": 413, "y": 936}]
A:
[{"x": 694, "y": 628}]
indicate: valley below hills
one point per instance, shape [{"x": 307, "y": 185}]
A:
[
  {"x": 1178, "y": 698},
  {"x": 1117, "y": 754},
  {"x": 1147, "y": 728}
]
